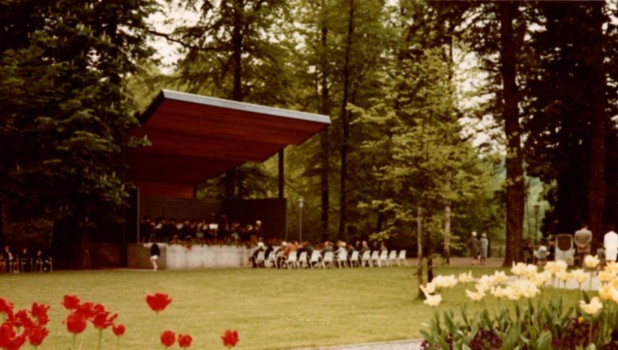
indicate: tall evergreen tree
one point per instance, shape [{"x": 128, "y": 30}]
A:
[
  {"x": 496, "y": 35},
  {"x": 235, "y": 50},
  {"x": 572, "y": 100},
  {"x": 65, "y": 110}
]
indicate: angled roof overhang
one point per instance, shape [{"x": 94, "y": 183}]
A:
[{"x": 194, "y": 138}]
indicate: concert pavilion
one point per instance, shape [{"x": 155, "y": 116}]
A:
[{"x": 194, "y": 138}]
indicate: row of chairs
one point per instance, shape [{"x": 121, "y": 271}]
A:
[
  {"x": 26, "y": 265},
  {"x": 331, "y": 260}
]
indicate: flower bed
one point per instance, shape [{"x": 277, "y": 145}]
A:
[
  {"x": 20, "y": 326},
  {"x": 527, "y": 321}
]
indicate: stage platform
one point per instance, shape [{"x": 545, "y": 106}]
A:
[{"x": 196, "y": 256}]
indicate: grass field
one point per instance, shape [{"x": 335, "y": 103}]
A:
[{"x": 270, "y": 309}]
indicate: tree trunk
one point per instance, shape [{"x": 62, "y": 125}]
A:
[
  {"x": 237, "y": 49},
  {"x": 324, "y": 137},
  {"x": 237, "y": 94},
  {"x": 514, "y": 159},
  {"x": 85, "y": 261},
  {"x": 345, "y": 122},
  {"x": 419, "y": 247},
  {"x": 598, "y": 118},
  {"x": 447, "y": 234}
]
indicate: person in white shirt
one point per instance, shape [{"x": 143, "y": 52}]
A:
[{"x": 610, "y": 243}]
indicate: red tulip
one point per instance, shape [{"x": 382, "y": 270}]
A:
[
  {"x": 230, "y": 338},
  {"x": 6, "y": 334},
  {"x": 88, "y": 309},
  {"x": 39, "y": 311},
  {"x": 36, "y": 335},
  {"x": 102, "y": 319},
  {"x": 71, "y": 302},
  {"x": 168, "y": 338},
  {"x": 119, "y": 330},
  {"x": 9, "y": 339},
  {"x": 158, "y": 301},
  {"x": 21, "y": 319},
  {"x": 76, "y": 322},
  {"x": 184, "y": 340},
  {"x": 5, "y": 307}
]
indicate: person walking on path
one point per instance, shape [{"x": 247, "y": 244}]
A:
[
  {"x": 154, "y": 254},
  {"x": 475, "y": 246},
  {"x": 583, "y": 240},
  {"x": 484, "y": 248}
]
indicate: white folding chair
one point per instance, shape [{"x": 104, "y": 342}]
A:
[
  {"x": 329, "y": 258},
  {"x": 402, "y": 258},
  {"x": 302, "y": 259},
  {"x": 292, "y": 260},
  {"x": 316, "y": 259},
  {"x": 366, "y": 259},
  {"x": 354, "y": 259},
  {"x": 383, "y": 258},
  {"x": 259, "y": 259},
  {"x": 375, "y": 258},
  {"x": 342, "y": 259},
  {"x": 392, "y": 257},
  {"x": 271, "y": 260}
]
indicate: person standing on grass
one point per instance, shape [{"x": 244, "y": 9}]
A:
[
  {"x": 474, "y": 245},
  {"x": 610, "y": 243},
  {"x": 484, "y": 248},
  {"x": 154, "y": 253}
]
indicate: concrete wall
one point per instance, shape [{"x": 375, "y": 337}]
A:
[{"x": 179, "y": 257}]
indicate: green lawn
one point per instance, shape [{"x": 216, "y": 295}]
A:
[{"x": 271, "y": 309}]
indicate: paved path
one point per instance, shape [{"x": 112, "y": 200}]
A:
[{"x": 414, "y": 344}]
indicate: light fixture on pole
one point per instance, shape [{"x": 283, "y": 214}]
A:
[{"x": 301, "y": 202}]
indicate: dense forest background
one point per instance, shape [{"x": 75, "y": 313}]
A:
[{"x": 447, "y": 117}]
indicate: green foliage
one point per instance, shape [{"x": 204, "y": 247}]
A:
[
  {"x": 567, "y": 93},
  {"x": 235, "y": 50},
  {"x": 419, "y": 157},
  {"x": 66, "y": 113}
]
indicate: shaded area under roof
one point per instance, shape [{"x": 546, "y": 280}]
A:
[{"x": 195, "y": 138}]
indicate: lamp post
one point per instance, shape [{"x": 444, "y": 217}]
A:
[
  {"x": 300, "y": 219},
  {"x": 536, "y": 220}
]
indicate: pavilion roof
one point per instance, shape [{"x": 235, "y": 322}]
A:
[{"x": 194, "y": 138}]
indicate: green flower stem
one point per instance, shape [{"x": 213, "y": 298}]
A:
[
  {"x": 581, "y": 291},
  {"x": 100, "y": 342},
  {"x": 590, "y": 333}
]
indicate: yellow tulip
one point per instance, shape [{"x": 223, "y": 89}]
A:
[
  {"x": 433, "y": 300},
  {"x": 580, "y": 275},
  {"x": 500, "y": 277},
  {"x": 605, "y": 292},
  {"x": 466, "y": 277},
  {"x": 592, "y": 308},
  {"x": 519, "y": 269},
  {"x": 606, "y": 276},
  {"x": 475, "y": 296},
  {"x": 428, "y": 289},
  {"x": 591, "y": 262}
]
